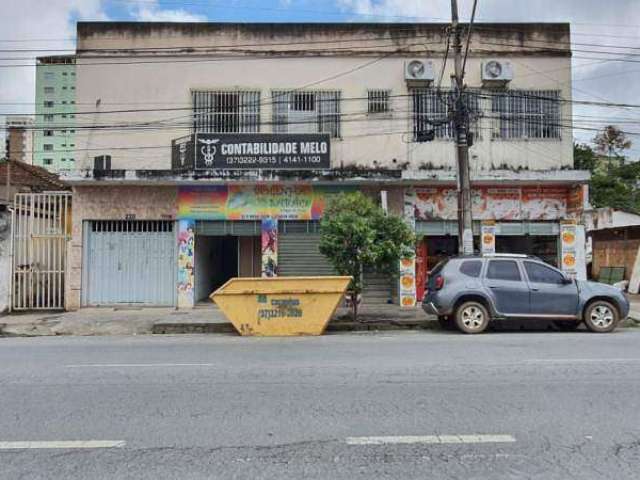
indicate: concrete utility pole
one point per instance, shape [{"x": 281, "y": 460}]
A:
[{"x": 465, "y": 225}]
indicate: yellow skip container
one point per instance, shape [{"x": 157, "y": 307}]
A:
[{"x": 282, "y": 306}]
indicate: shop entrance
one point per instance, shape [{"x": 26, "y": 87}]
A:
[{"x": 220, "y": 258}]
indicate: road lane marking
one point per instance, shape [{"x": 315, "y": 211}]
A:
[
  {"x": 62, "y": 444},
  {"x": 135, "y": 365},
  {"x": 430, "y": 439}
]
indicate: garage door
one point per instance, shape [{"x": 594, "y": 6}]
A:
[
  {"x": 129, "y": 262},
  {"x": 298, "y": 250}
]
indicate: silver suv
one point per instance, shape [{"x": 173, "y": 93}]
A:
[{"x": 470, "y": 291}]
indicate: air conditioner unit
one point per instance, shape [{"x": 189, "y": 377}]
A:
[
  {"x": 419, "y": 71},
  {"x": 495, "y": 72}
]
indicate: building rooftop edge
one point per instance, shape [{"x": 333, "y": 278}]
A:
[{"x": 374, "y": 177}]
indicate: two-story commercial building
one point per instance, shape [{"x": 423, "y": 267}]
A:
[{"x": 207, "y": 151}]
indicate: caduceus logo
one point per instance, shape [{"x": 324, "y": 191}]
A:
[{"x": 208, "y": 150}]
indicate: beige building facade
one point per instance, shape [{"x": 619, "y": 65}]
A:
[{"x": 350, "y": 106}]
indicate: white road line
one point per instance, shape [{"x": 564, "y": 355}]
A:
[
  {"x": 62, "y": 444},
  {"x": 429, "y": 439},
  {"x": 136, "y": 365}
]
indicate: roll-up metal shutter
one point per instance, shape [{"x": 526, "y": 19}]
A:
[
  {"x": 298, "y": 250},
  {"x": 244, "y": 228},
  {"x": 299, "y": 255},
  {"x": 129, "y": 262}
]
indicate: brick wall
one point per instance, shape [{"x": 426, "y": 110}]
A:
[{"x": 111, "y": 203}]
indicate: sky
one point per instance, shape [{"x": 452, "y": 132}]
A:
[{"x": 600, "y": 27}]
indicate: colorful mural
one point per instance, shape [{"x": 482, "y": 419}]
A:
[
  {"x": 252, "y": 202},
  {"x": 527, "y": 203},
  {"x": 269, "y": 247},
  {"x": 186, "y": 246}
]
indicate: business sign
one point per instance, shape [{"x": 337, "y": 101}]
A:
[
  {"x": 237, "y": 151},
  {"x": 253, "y": 202},
  {"x": 182, "y": 153},
  {"x": 527, "y": 203}
]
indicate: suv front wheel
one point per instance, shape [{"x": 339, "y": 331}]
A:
[
  {"x": 601, "y": 317},
  {"x": 472, "y": 317}
]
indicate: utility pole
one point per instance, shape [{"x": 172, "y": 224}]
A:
[{"x": 460, "y": 120}]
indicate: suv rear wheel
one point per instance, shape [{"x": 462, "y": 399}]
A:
[
  {"x": 472, "y": 317},
  {"x": 601, "y": 316}
]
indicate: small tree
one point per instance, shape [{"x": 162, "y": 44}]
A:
[
  {"x": 356, "y": 234},
  {"x": 584, "y": 158}
]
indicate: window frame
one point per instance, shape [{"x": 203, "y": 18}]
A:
[
  {"x": 546, "y": 267},
  {"x": 466, "y": 262},
  {"x": 515, "y": 262},
  {"x": 226, "y": 111},
  {"x": 527, "y": 115},
  {"x": 379, "y": 102},
  {"x": 324, "y": 118}
]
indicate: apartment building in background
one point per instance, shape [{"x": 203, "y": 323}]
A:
[
  {"x": 19, "y": 138},
  {"x": 54, "y": 135},
  {"x": 236, "y": 135}
]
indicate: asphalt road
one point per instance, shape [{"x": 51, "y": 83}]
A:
[{"x": 441, "y": 406}]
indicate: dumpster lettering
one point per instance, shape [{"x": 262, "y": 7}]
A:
[{"x": 281, "y": 308}]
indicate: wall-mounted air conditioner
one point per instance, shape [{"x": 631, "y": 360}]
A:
[
  {"x": 419, "y": 71},
  {"x": 495, "y": 72}
]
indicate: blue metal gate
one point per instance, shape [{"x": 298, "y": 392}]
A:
[{"x": 129, "y": 262}]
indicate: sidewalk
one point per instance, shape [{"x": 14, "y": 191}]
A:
[
  {"x": 202, "y": 319},
  {"x": 209, "y": 319}
]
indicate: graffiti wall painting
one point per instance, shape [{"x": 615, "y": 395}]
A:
[
  {"x": 546, "y": 203},
  {"x": 269, "y": 247},
  {"x": 186, "y": 248}
]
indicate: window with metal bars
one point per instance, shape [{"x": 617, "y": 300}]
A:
[
  {"x": 379, "y": 101},
  {"x": 226, "y": 112},
  {"x": 522, "y": 114},
  {"x": 433, "y": 109},
  {"x": 306, "y": 112}
]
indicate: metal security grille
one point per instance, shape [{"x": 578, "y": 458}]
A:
[
  {"x": 378, "y": 101},
  {"x": 41, "y": 223},
  {"x": 432, "y": 110},
  {"x": 129, "y": 262},
  {"x": 299, "y": 255},
  {"x": 226, "y": 112},
  {"x": 306, "y": 112},
  {"x": 526, "y": 114}
]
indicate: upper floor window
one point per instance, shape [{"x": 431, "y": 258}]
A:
[
  {"x": 48, "y": 117},
  {"x": 49, "y": 89},
  {"x": 378, "y": 101},
  {"x": 48, "y": 76},
  {"x": 522, "y": 114},
  {"x": 433, "y": 112},
  {"x": 48, "y": 103},
  {"x": 226, "y": 112},
  {"x": 47, "y": 147},
  {"x": 306, "y": 112},
  {"x": 48, "y": 133}
]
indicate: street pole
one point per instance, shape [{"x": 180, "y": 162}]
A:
[{"x": 465, "y": 225}]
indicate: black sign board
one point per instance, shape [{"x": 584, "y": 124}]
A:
[
  {"x": 233, "y": 151},
  {"x": 182, "y": 153}
]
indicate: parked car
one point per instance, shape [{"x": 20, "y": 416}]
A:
[{"x": 470, "y": 291}]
